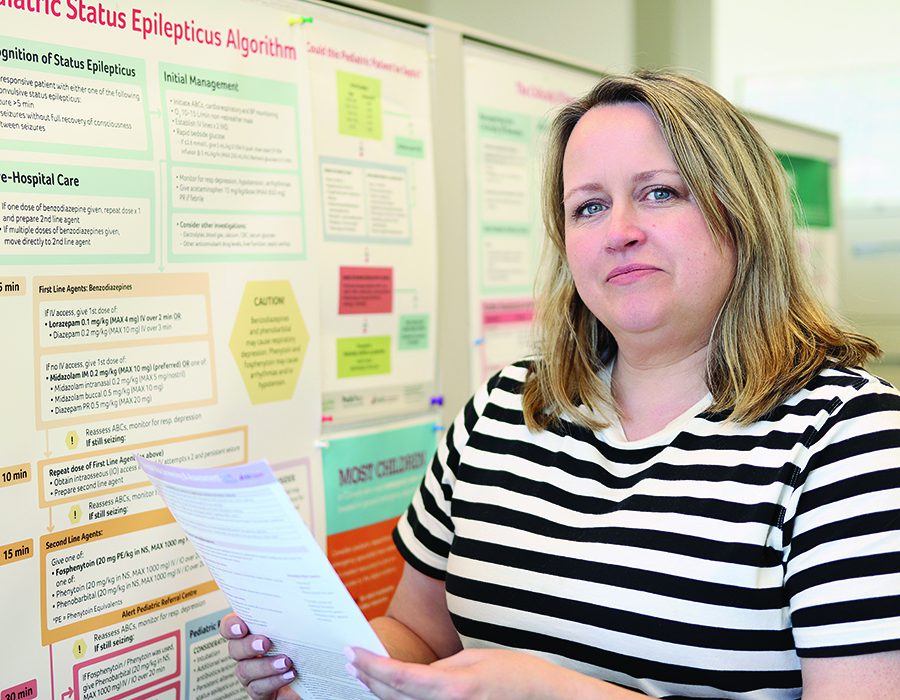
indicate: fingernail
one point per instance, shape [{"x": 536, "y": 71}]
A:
[
  {"x": 280, "y": 663},
  {"x": 236, "y": 630},
  {"x": 258, "y": 645},
  {"x": 353, "y": 671},
  {"x": 350, "y": 654},
  {"x": 289, "y": 676}
]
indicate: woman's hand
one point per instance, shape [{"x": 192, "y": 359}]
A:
[
  {"x": 472, "y": 674},
  {"x": 263, "y": 677}
]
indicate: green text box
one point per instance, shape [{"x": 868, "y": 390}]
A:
[
  {"x": 234, "y": 85},
  {"x": 73, "y": 63},
  {"x": 363, "y": 356},
  {"x": 505, "y": 125},
  {"x": 371, "y": 478},
  {"x": 412, "y": 333},
  {"x": 359, "y": 106},
  {"x": 92, "y": 182},
  {"x": 409, "y": 148},
  {"x": 811, "y": 178},
  {"x": 180, "y": 78},
  {"x": 495, "y": 229}
]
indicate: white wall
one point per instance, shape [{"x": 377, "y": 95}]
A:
[
  {"x": 600, "y": 33},
  {"x": 774, "y": 36},
  {"x": 834, "y": 65}
]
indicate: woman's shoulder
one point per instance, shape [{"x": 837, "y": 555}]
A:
[
  {"x": 844, "y": 384},
  {"x": 851, "y": 402},
  {"x": 502, "y": 390},
  {"x": 510, "y": 378}
]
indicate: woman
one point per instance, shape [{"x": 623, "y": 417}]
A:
[{"x": 692, "y": 491}]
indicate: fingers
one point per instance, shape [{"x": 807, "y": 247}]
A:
[
  {"x": 390, "y": 679},
  {"x": 232, "y": 627},
  {"x": 241, "y": 644},
  {"x": 249, "y": 647},
  {"x": 263, "y": 677}
]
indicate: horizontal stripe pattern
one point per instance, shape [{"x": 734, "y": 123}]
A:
[{"x": 703, "y": 561}]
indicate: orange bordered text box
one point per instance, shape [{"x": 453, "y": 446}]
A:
[
  {"x": 18, "y": 474},
  {"x": 100, "y": 575},
  {"x": 113, "y": 346},
  {"x": 103, "y": 472}
]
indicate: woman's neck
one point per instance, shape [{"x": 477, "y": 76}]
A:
[{"x": 651, "y": 392}]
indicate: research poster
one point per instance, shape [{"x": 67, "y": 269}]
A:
[
  {"x": 374, "y": 169},
  {"x": 811, "y": 161},
  {"x": 509, "y": 101},
  {"x": 370, "y": 476},
  {"x": 817, "y": 231},
  {"x": 159, "y": 293}
]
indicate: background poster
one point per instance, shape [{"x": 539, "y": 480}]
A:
[
  {"x": 369, "y": 478},
  {"x": 509, "y": 102},
  {"x": 160, "y": 297},
  {"x": 373, "y": 165}
]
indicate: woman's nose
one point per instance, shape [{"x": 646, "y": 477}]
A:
[{"x": 624, "y": 227}]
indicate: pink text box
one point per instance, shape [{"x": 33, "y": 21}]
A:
[
  {"x": 23, "y": 690},
  {"x": 502, "y": 312},
  {"x": 126, "y": 670},
  {"x": 366, "y": 290}
]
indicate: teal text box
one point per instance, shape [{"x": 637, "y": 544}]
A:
[
  {"x": 412, "y": 333},
  {"x": 495, "y": 229},
  {"x": 72, "y": 63},
  {"x": 371, "y": 478},
  {"x": 190, "y": 79},
  {"x": 92, "y": 182},
  {"x": 364, "y": 166},
  {"x": 409, "y": 148},
  {"x": 213, "y": 82},
  {"x": 495, "y": 123},
  {"x": 198, "y": 630}
]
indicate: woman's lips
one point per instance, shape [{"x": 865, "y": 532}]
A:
[{"x": 630, "y": 273}]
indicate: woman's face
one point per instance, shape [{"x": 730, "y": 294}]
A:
[{"x": 640, "y": 251}]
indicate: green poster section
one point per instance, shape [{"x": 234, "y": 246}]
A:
[
  {"x": 371, "y": 478},
  {"x": 811, "y": 179}
]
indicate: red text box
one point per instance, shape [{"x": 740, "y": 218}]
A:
[
  {"x": 126, "y": 671},
  {"x": 366, "y": 290}
]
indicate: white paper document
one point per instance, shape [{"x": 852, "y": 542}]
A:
[{"x": 273, "y": 572}]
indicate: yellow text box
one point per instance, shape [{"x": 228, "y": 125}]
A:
[
  {"x": 102, "y": 574},
  {"x": 19, "y": 474},
  {"x": 16, "y": 551},
  {"x": 87, "y": 367},
  {"x": 92, "y": 474},
  {"x": 12, "y": 286}
]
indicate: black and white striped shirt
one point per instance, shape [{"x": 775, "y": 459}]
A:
[{"x": 702, "y": 561}]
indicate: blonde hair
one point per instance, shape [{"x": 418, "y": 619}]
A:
[{"x": 772, "y": 336}]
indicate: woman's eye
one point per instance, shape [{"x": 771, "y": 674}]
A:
[
  {"x": 661, "y": 194},
  {"x": 589, "y": 209}
]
